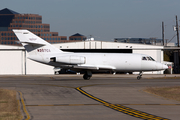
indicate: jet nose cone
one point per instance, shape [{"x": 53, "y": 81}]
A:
[{"x": 165, "y": 67}]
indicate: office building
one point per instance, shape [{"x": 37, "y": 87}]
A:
[{"x": 33, "y": 22}]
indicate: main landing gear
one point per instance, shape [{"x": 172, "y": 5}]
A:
[
  {"x": 87, "y": 75},
  {"x": 140, "y": 75}
]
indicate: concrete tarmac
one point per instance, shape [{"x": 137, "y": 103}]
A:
[{"x": 104, "y": 96}]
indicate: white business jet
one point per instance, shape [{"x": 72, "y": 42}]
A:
[{"x": 41, "y": 51}]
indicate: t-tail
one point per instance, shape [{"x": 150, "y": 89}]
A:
[
  {"x": 35, "y": 46},
  {"x": 33, "y": 43}
]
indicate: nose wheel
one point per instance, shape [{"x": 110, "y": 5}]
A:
[{"x": 140, "y": 75}]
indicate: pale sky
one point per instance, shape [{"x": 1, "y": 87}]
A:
[{"x": 103, "y": 19}]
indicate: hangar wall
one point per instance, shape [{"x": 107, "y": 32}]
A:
[
  {"x": 104, "y": 45},
  {"x": 11, "y": 62},
  {"x": 14, "y": 61},
  {"x": 152, "y": 50}
]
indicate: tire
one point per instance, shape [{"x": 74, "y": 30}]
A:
[
  {"x": 86, "y": 77},
  {"x": 138, "y": 77}
]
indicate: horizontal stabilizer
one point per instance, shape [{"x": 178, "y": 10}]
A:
[{"x": 30, "y": 42}]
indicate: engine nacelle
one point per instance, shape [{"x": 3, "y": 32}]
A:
[{"x": 69, "y": 59}]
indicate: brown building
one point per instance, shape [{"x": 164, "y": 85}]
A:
[{"x": 33, "y": 22}]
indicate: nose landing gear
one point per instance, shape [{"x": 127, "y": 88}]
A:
[{"x": 140, "y": 75}]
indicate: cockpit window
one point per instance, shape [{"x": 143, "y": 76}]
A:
[
  {"x": 144, "y": 58},
  {"x": 149, "y": 58},
  {"x": 152, "y": 59}
]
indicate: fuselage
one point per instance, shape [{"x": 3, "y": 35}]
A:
[{"x": 117, "y": 61}]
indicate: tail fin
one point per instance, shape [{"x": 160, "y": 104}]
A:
[{"x": 33, "y": 44}]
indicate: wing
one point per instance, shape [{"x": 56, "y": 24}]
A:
[{"x": 94, "y": 67}]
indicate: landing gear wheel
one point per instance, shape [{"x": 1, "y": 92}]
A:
[
  {"x": 138, "y": 77},
  {"x": 86, "y": 77}
]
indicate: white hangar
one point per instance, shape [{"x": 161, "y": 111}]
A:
[{"x": 14, "y": 59}]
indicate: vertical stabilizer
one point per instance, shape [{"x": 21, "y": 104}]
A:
[{"x": 33, "y": 44}]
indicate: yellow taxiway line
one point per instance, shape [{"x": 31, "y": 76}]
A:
[
  {"x": 24, "y": 106},
  {"x": 122, "y": 108}
]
